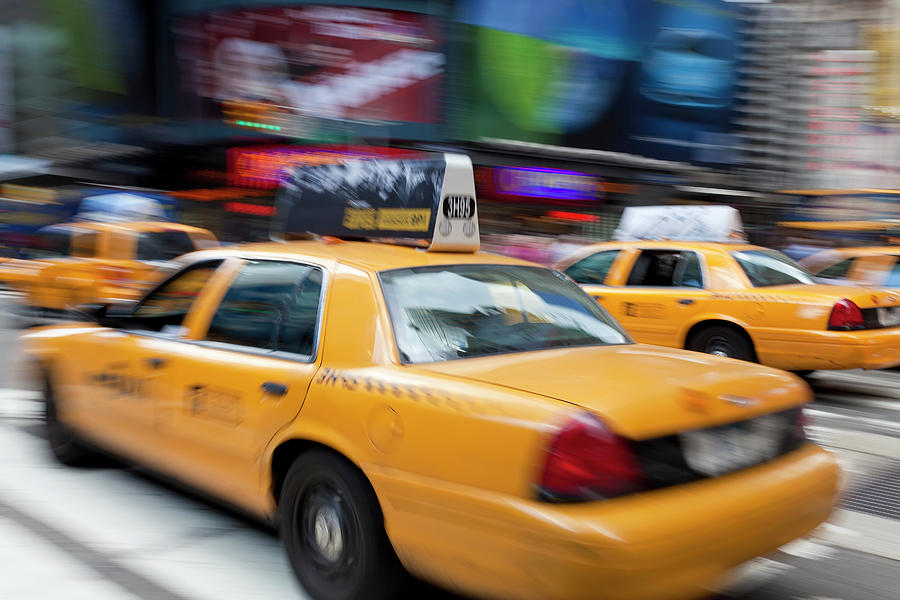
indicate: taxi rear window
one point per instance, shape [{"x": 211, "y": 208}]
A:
[
  {"x": 767, "y": 268},
  {"x": 163, "y": 245},
  {"x": 460, "y": 311}
]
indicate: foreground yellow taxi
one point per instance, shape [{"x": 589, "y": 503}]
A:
[
  {"x": 476, "y": 420},
  {"x": 78, "y": 263},
  {"x": 877, "y": 266},
  {"x": 741, "y": 301}
]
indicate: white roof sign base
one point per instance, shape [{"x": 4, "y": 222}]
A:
[{"x": 705, "y": 223}]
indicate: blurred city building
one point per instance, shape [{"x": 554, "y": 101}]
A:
[{"x": 570, "y": 110}]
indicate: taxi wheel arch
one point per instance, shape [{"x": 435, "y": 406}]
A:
[
  {"x": 735, "y": 336},
  {"x": 66, "y": 446},
  {"x": 301, "y": 471}
]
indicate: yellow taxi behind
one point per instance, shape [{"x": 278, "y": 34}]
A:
[
  {"x": 876, "y": 266},
  {"x": 85, "y": 262},
  {"x": 730, "y": 298},
  {"x": 476, "y": 420}
]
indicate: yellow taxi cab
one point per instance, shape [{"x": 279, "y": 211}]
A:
[
  {"x": 877, "y": 266},
  {"x": 86, "y": 262},
  {"x": 730, "y": 298},
  {"x": 475, "y": 420}
]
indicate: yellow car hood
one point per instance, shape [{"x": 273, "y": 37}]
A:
[{"x": 640, "y": 391}]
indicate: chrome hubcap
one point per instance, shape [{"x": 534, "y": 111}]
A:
[
  {"x": 719, "y": 347},
  {"x": 327, "y": 533}
]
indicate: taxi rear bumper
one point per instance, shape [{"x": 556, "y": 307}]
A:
[
  {"x": 804, "y": 349},
  {"x": 672, "y": 543}
]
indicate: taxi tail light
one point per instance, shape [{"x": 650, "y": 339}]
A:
[
  {"x": 587, "y": 461},
  {"x": 845, "y": 316}
]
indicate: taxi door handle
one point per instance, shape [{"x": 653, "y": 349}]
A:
[
  {"x": 275, "y": 389},
  {"x": 685, "y": 301},
  {"x": 598, "y": 296},
  {"x": 155, "y": 362}
]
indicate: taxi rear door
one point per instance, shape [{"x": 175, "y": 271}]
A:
[
  {"x": 245, "y": 377},
  {"x": 656, "y": 292}
]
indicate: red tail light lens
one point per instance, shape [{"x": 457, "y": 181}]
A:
[
  {"x": 846, "y": 315},
  {"x": 587, "y": 461}
]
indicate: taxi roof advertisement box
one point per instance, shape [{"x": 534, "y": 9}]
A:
[
  {"x": 711, "y": 223},
  {"x": 432, "y": 198}
]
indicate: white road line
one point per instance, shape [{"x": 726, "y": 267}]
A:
[
  {"x": 883, "y": 423},
  {"x": 753, "y": 575},
  {"x": 858, "y": 400},
  {"x": 861, "y": 532},
  {"x": 803, "y": 548}
]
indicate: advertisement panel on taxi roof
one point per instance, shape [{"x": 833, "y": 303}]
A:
[{"x": 315, "y": 61}]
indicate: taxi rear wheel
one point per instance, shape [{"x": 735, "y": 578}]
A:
[
  {"x": 722, "y": 341},
  {"x": 333, "y": 531},
  {"x": 65, "y": 445}
]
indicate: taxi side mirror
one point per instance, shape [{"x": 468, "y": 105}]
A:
[{"x": 105, "y": 314}]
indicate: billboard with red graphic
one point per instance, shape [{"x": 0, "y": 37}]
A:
[{"x": 314, "y": 61}]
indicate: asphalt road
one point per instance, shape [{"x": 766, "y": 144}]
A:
[{"x": 110, "y": 532}]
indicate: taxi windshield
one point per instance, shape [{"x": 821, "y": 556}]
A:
[
  {"x": 461, "y": 311},
  {"x": 767, "y": 268}
]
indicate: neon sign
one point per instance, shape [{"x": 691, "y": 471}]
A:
[
  {"x": 246, "y": 208},
  {"x": 265, "y": 167},
  {"x": 556, "y": 184}
]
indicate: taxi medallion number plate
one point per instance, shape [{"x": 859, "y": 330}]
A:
[
  {"x": 889, "y": 317},
  {"x": 728, "y": 448}
]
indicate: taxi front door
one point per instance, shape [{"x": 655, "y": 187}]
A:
[
  {"x": 245, "y": 378},
  {"x": 125, "y": 368},
  {"x": 663, "y": 290}
]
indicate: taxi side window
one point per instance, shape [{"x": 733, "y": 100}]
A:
[
  {"x": 84, "y": 244},
  {"x": 667, "y": 268},
  {"x": 271, "y": 305},
  {"x": 169, "y": 303},
  {"x": 594, "y": 268},
  {"x": 893, "y": 278},
  {"x": 838, "y": 270}
]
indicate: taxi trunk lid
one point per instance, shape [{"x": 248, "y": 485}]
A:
[{"x": 640, "y": 391}]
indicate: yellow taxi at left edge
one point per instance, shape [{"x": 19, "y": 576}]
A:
[
  {"x": 475, "y": 420},
  {"x": 88, "y": 262}
]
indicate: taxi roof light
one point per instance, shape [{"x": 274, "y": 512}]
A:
[
  {"x": 845, "y": 316},
  {"x": 588, "y": 461},
  {"x": 431, "y": 199}
]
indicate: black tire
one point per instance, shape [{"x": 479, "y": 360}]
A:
[
  {"x": 65, "y": 445},
  {"x": 333, "y": 531},
  {"x": 722, "y": 341}
]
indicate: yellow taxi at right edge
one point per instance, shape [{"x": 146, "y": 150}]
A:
[
  {"x": 476, "y": 420},
  {"x": 877, "y": 266},
  {"x": 730, "y": 298}
]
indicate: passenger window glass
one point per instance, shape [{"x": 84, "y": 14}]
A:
[
  {"x": 893, "y": 278},
  {"x": 666, "y": 268},
  {"x": 168, "y": 304},
  {"x": 52, "y": 242},
  {"x": 594, "y": 268},
  {"x": 688, "y": 272},
  {"x": 163, "y": 245},
  {"x": 271, "y": 305},
  {"x": 838, "y": 270}
]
